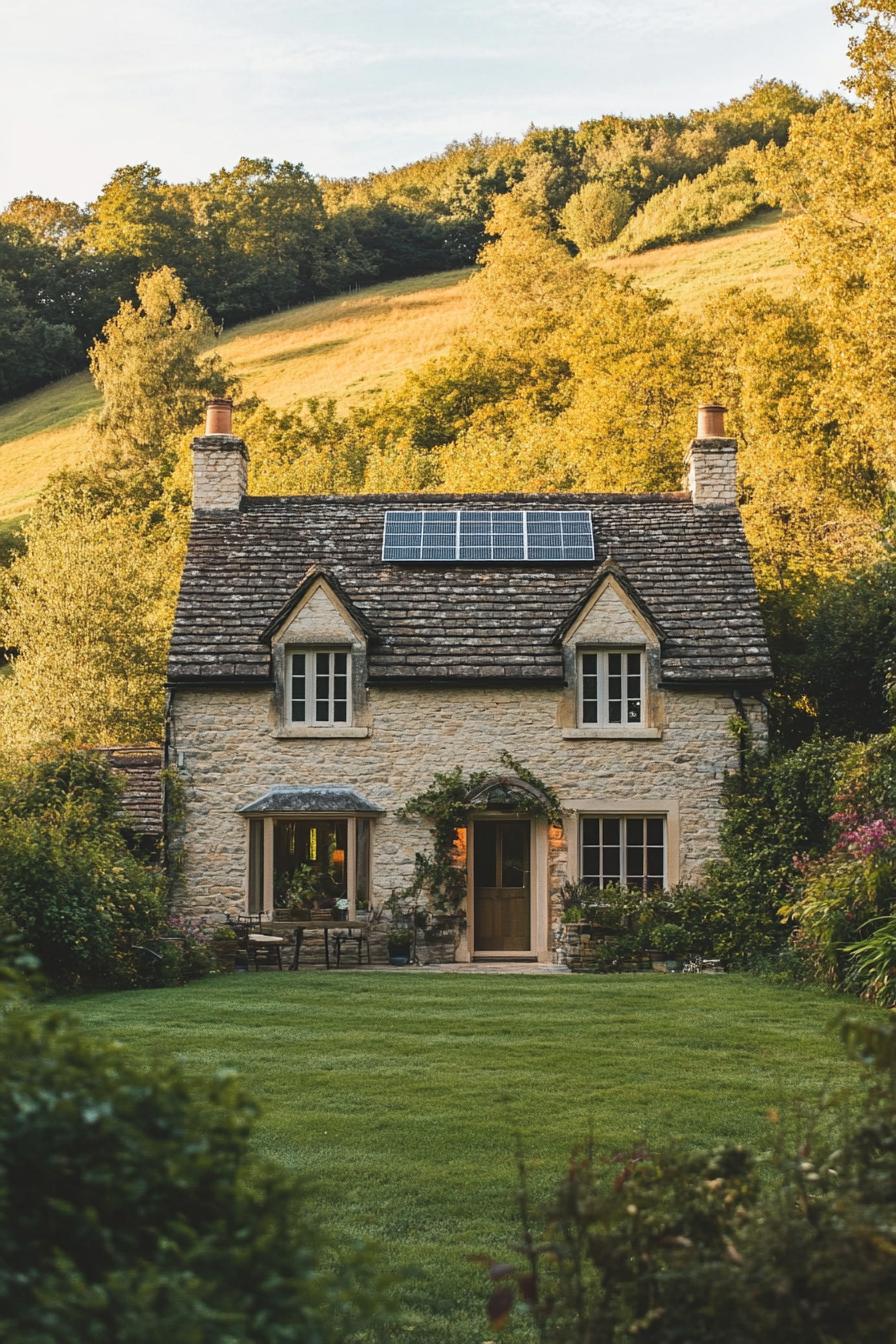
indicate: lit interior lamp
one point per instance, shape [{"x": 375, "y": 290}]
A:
[{"x": 338, "y": 858}]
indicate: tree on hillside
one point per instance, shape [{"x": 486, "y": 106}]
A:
[
  {"x": 308, "y": 449},
  {"x": 837, "y": 177},
  {"x": 57, "y": 223},
  {"x": 155, "y": 378},
  {"x": 138, "y": 218},
  {"x": 595, "y": 214},
  {"x": 32, "y": 350},
  {"x": 89, "y": 605},
  {"x": 568, "y": 379},
  {"x": 261, "y": 227},
  {"x": 806, "y": 518}
]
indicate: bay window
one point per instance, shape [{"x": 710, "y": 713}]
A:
[{"x": 311, "y": 861}]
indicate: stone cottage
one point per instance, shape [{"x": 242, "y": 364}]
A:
[{"x": 331, "y": 654}]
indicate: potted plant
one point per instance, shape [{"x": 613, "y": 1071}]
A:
[
  {"x": 671, "y": 946},
  {"x": 399, "y": 945},
  {"x": 300, "y": 892},
  {"x": 577, "y": 901},
  {"x": 340, "y": 909},
  {"x": 224, "y": 945}
]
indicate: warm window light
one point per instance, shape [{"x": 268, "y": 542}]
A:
[
  {"x": 338, "y": 857},
  {"x": 459, "y": 852}
]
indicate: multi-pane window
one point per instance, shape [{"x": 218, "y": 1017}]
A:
[
  {"x": 611, "y": 688},
  {"x": 628, "y": 851},
  {"x": 319, "y": 686}
]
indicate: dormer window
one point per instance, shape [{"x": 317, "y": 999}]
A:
[
  {"x": 611, "y": 688},
  {"x": 319, "y": 685}
]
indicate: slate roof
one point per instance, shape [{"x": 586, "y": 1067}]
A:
[
  {"x": 462, "y": 621},
  {"x": 323, "y": 798},
  {"x": 140, "y": 770}
]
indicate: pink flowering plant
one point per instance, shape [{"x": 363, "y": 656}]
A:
[
  {"x": 844, "y": 904},
  {"x": 868, "y": 839}
]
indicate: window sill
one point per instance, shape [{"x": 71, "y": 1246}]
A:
[
  {"x": 286, "y": 734},
  {"x": 639, "y": 734}
]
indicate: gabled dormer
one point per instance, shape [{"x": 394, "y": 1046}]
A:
[
  {"x": 612, "y": 646},
  {"x": 319, "y": 641}
]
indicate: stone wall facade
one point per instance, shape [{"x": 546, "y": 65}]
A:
[{"x": 229, "y": 747}]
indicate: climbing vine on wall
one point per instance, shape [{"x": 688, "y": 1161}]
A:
[
  {"x": 439, "y": 880},
  {"x": 174, "y": 808}
]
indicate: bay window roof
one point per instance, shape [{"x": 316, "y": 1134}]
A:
[{"x": 323, "y": 798}]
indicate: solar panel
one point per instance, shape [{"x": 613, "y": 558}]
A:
[{"x": 488, "y": 534}]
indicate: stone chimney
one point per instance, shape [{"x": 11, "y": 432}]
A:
[
  {"x": 220, "y": 460},
  {"x": 711, "y": 461}
]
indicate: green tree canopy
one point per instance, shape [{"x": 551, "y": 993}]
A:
[{"x": 152, "y": 367}]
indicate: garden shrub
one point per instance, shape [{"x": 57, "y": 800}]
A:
[
  {"x": 68, "y": 881},
  {"x": 685, "y": 1247},
  {"x": 844, "y": 907},
  {"x": 133, "y": 1209},
  {"x": 777, "y": 807}
]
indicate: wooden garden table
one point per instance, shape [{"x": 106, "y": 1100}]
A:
[{"x": 326, "y": 925}]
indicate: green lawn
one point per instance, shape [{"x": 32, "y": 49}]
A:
[{"x": 400, "y": 1095}]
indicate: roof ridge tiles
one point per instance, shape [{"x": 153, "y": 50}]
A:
[{"x": 569, "y": 496}]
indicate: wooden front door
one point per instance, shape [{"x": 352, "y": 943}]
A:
[{"x": 502, "y": 920}]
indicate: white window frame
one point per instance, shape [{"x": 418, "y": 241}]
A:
[
  {"x": 623, "y": 818},
  {"x": 603, "y": 713},
  {"x": 310, "y": 655}
]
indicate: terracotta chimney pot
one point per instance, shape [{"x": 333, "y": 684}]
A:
[
  {"x": 711, "y": 420},
  {"x": 219, "y": 416}
]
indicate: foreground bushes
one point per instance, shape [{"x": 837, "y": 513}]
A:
[
  {"x": 133, "y": 1211},
  {"x": 83, "y": 903},
  {"x": 678, "y": 1247}
]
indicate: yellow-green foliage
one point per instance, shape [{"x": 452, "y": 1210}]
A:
[
  {"x": 349, "y": 348},
  {"x": 727, "y": 194},
  {"x": 595, "y": 214},
  {"x": 88, "y": 609},
  {"x": 695, "y": 276}
]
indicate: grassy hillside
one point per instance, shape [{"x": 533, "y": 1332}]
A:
[
  {"x": 359, "y": 344},
  {"x": 349, "y": 348},
  {"x": 750, "y": 255}
]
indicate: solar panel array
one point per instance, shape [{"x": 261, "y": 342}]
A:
[{"x": 488, "y": 534}]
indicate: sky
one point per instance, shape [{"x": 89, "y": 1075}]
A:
[{"x": 350, "y": 86}]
